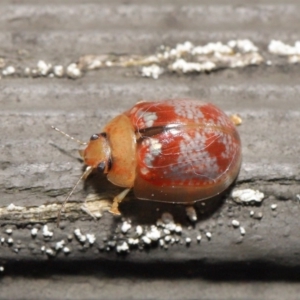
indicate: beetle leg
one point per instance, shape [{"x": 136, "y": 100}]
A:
[
  {"x": 191, "y": 213},
  {"x": 117, "y": 200}
]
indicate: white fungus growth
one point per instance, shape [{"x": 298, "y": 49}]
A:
[
  {"x": 133, "y": 242},
  {"x": 123, "y": 247},
  {"x": 273, "y": 206},
  {"x": 178, "y": 229},
  {"x": 47, "y": 232},
  {"x": 43, "y": 68},
  {"x": 208, "y": 235},
  {"x": 139, "y": 230},
  {"x": 59, "y": 245},
  {"x": 146, "y": 240},
  {"x": 154, "y": 234},
  {"x": 188, "y": 240},
  {"x": 1, "y": 269},
  {"x": 9, "y": 231},
  {"x": 34, "y": 231},
  {"x": 171, "y": 226},
  {"x": 50, "y": 252},
  {"x": 247, "y": 196},
  {"x": 10, "y": 70},
  {"x": 242, "y": 230},
  {"x": 2, "y": 240},
  {"x": 280, "y": 48},
  {"x": 66, "y": 250},
  {"x": 80, "y": 237},
  {"x": 161, "y": 242},
  {"x": 12, "y": 207},
  {"x": 125, "y": 227},
  {"x": 10, "y": 241},
  {"x": 73, "y": 71},
  {"x": 43, "y": 248},
  {"x": 167, "y": 238},
  {"x": 91, "y": 238},
  {"x": 153, "y": 71},
  {"x": 235, "y": 223},
  {"x": 58, "y": 71},
  {"x": 166, "y": 231},
  {"x": 199, "y": 237}
]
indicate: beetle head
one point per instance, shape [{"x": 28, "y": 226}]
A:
[{"x": 97, "y": 153}]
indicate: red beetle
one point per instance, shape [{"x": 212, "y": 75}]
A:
[{"x": 176, "y": 151}]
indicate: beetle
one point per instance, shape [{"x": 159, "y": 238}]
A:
[{"x": 175, "y": 150}]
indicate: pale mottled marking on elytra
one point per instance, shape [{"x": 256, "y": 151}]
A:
[
  {"x": 193, "y": 160},
  {"x": 146, "y": 119},
  {"x": 228, "y": 143},
  {"x": 173, "y": 129},
  {"x": 194, "y": 157},
  {"x": 188, "y": 109},
  {"x": 144, "y": 171},
  {"x": 154, "y": 149}
]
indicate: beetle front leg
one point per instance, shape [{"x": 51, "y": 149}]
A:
[
  {"x": 191, "y": 213},
  {"x": 117, "y": 200}
]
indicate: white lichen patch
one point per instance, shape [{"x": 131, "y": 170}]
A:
[{"x": 247, "y": 196}]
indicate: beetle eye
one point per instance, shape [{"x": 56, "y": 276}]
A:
[
  {"x": 101, "y": 167},
  {"x": 94, "y": 137}
]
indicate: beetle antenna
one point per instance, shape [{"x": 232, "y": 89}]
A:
[
  {"x": 68, "y": 136},
  {"x": 86, "y": 173}
]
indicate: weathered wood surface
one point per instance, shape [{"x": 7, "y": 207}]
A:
[{"x": 39, "y": 167}]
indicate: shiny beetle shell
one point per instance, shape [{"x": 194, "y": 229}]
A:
[{"x": 176, "y": 151}]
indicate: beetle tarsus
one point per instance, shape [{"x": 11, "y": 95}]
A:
[
  {"x": 117, "y": 200},
  {"x": 191, "y": 213}
]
